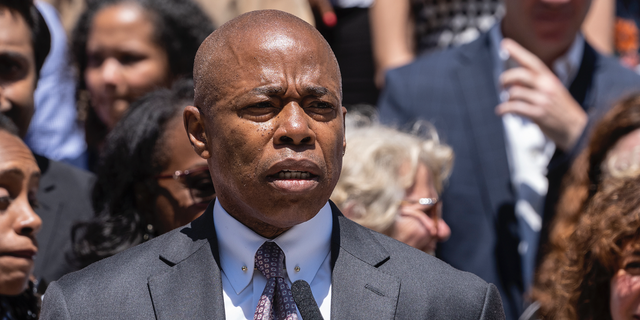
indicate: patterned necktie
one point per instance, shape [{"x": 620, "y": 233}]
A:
[{"x": 276, "y": 302}]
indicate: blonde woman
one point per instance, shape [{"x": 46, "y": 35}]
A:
[{"x": 391, "y": 182}]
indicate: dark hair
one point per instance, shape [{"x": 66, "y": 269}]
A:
[
  {"x": 7, "y": 125},
  {"x": 593, "y": 253},
  {"x": 40, "y": 36},
  {"x": 180, "y": 26},
  {"x": 134, "y": 153},
  {"x": 583, "y": 180},
  {"x": 23, "y": 306}
]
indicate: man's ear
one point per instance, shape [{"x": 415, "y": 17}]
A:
[
  {"x": 344, "y": 130},
  {"x": 194, "y": 124}
]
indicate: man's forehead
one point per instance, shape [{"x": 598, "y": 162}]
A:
[{"x": 257, "y": 39}]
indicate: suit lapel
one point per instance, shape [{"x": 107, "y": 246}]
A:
[
  {"x": 49, "y": 211},
  {"x": 192, "y": 287},
  {"x": 475, "y": 76},
  {"x": 359, "y": 288}
]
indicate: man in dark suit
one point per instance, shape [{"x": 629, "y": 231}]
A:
[
  {"x": 268, "y": 119},
  {"x": 516, "y": 112},
  {"x": 64, "y": 193}
]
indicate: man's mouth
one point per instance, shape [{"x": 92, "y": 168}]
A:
[
  {"x": 293, "y": 181},
  {"x": 293, "y": 175}
]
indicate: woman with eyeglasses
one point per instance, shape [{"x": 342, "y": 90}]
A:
[
  {"x": 150, "y": 180},
  {"x": 391, "y": 181}
]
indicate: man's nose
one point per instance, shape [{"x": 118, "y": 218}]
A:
[{"x": 293, "y": 126}]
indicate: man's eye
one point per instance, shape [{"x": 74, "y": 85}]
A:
[
  {"x": 261, "y": 108},
  {"x": 262, "y": 105},
  {"x": 321, "y": 105},
  {"x": 320, "y": 110},
  {"x": 262, "y": 111}
]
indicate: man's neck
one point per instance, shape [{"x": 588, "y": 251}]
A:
[{"x": 261, "y": 228}]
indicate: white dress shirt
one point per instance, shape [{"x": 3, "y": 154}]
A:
[
  {"x": 529, "y": 151},
  {"x": 307, "y": 248}
]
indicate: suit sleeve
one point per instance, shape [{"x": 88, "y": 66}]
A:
[
  {"x": 54, "y": 305},
  {"x": 492, "y": 309}
]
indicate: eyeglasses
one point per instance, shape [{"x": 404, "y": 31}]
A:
[
  {"x": 431, "y": 208},
  {"x": 197, "y": 180}
]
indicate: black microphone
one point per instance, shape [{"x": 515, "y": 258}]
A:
[{"x": 304, "y": 300}]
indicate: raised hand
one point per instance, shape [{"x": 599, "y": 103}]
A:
[{"x": 536, "y": 93}]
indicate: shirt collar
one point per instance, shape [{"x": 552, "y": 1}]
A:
[
  {"x": 565, "y": 67},
  {"x": 305, "y": 246}
]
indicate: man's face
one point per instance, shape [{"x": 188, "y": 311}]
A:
[
  {"x": 17, "y": 69},
  {"x": 276, "y": 135},
  {"x": 545, "y": 27}
]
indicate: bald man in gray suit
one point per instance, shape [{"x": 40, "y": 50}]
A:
[{"x": 268, "y": 119}]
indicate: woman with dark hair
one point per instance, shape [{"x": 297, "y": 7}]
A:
[
  {"x": 19, "y": 178},
  {"x": 601, "y": 268},
  {"x": 150, "y": 180},
  {"x": 124, "y": 49},
  {"x": 613, "y": 152}
]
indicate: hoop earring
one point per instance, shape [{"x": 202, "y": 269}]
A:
[{"x": 149, "y": 233}]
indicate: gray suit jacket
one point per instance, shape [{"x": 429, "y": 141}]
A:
[
  {"x": 65, "y": 198},
  {"x": 177, "y": 276}
]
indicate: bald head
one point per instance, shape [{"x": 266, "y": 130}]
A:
[
  {"x": 254, "y": 36},
  {"x": 269, "y": 119}
]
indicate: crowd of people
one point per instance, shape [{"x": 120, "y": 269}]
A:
[{"x": 148, "y": 161}]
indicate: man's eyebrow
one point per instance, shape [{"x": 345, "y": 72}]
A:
[
  {"x": 316, "y": 91},
  {"x": 268, "y": 90}
]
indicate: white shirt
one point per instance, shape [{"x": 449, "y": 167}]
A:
[
  {"x": 307, "y": 248},
  {"x": 528, "y": 149}
]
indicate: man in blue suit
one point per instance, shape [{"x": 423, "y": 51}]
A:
[{"x": 516, "y": 105}]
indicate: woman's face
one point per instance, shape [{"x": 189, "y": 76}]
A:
[
  {"x": 19, "y": 178},
  {"x": 123, "y": 60},
  {"x": 625, "y": 284},
  {"x": 420, "y": 225},
  {"x": 175, "y": 206}
]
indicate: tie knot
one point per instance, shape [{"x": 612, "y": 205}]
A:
[{"x": 270, "y": 260}]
